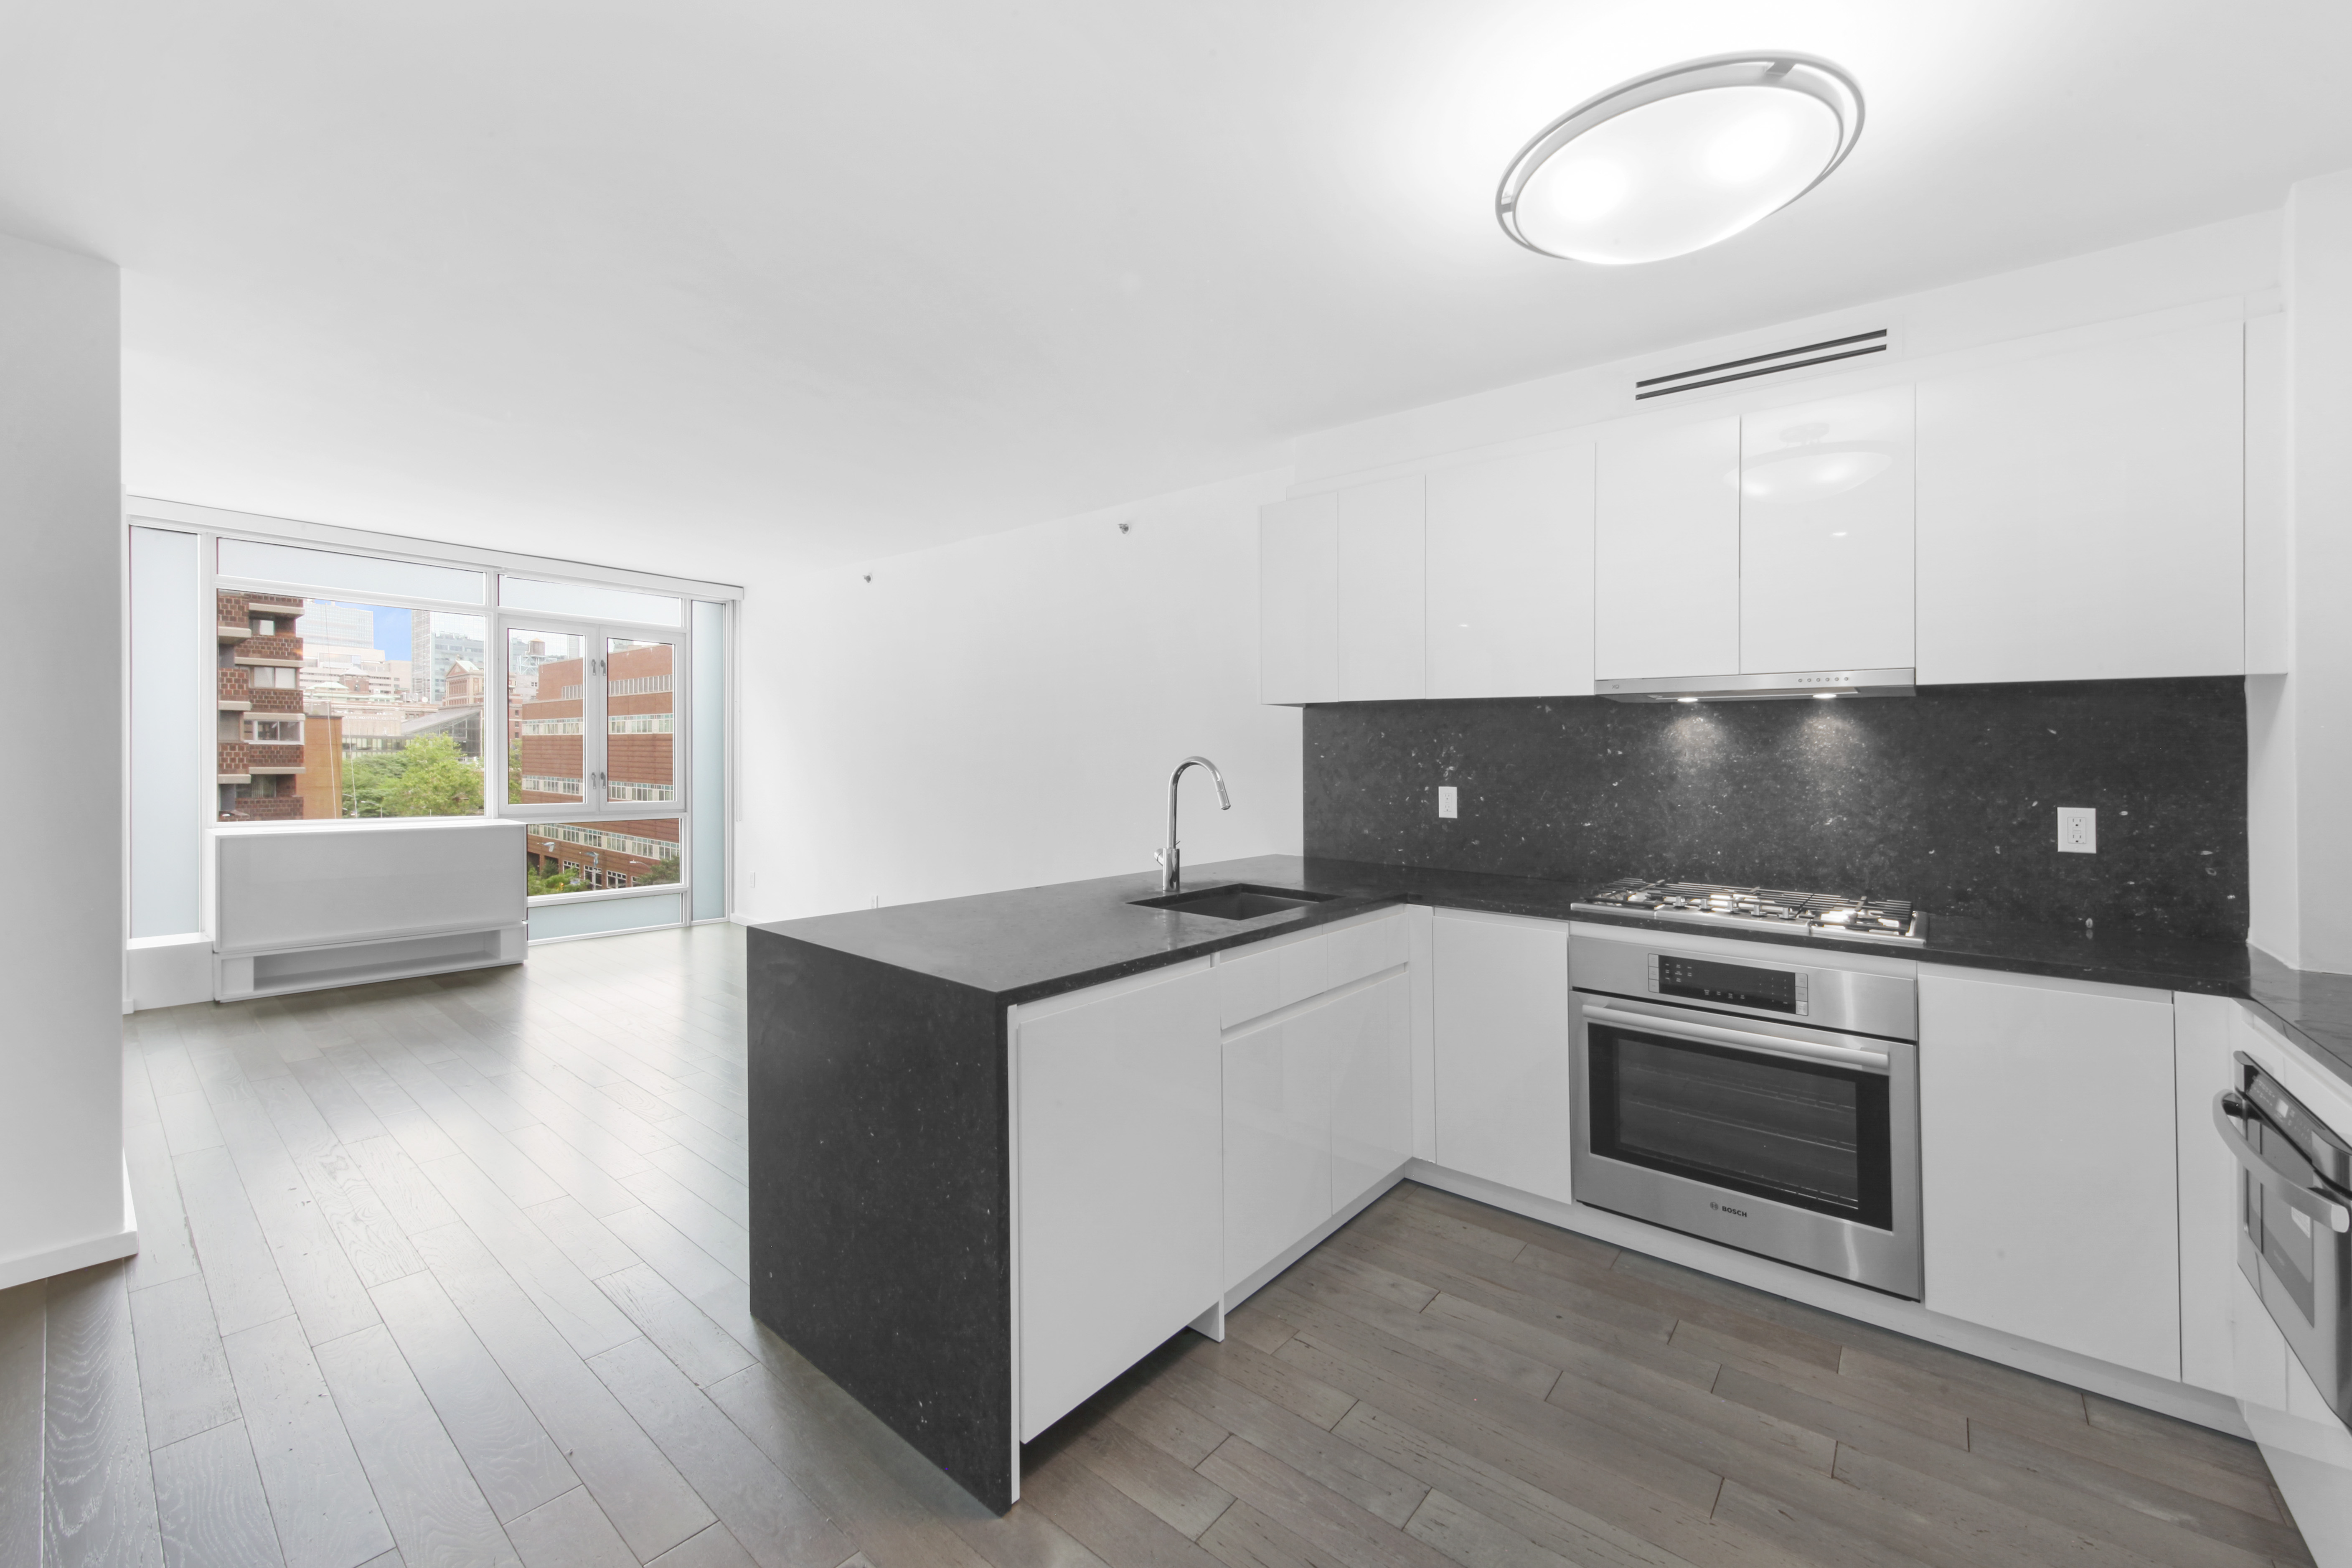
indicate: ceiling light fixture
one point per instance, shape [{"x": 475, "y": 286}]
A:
[{"x": 1681, "y": 159}]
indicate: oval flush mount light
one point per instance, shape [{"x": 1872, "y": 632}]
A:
[{"x": 1681, "y": 159}]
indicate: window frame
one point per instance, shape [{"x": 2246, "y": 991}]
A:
[{"x": 211, "y": 525}]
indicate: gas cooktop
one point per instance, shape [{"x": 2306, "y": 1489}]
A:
[{"x": 1770, "y": 909}]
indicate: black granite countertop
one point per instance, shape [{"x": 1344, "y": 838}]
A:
[{"x": 1032, "y": 942}]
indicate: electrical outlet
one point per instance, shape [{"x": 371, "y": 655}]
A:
[
  {"x": 1448, "y": 801},
  {"x": 2078, "y": 830}
]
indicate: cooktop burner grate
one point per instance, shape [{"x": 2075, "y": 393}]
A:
[{"x": 1821, "y": 914}]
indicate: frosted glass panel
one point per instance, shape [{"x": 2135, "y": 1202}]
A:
[
  {"x": 708, "y": 777},
  {"x": 594, "y": 915},
  {"x": 168, "y": 787},
  {"x": 587, "y": 602},
  {"x": 333, "y": 569}
]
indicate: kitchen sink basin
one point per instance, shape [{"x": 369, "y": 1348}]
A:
[{"x": 1237, "y": 902}]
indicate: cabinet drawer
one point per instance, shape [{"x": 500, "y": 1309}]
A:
[{"x": 1255, "y": 980}]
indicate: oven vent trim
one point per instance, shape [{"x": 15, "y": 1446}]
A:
[{"x": 1778, "y": 362}]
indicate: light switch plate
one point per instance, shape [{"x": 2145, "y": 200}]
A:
[
  {"x": 2078, "y": 830},
  {"x": 1447, "y": 800}
]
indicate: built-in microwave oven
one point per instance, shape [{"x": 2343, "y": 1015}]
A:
[{"x": 2295, "y": 1223}]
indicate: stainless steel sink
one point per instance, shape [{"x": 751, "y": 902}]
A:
[{"x": 1237, "y": 902}]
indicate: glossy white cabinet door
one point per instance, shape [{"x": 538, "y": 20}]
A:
[
  {"x": 1510, "y": 576},
  {"x": 1371, "y": 1086},
  {"x": 1503, "y": 1090},
  {"x": 1278, "y": 1160},
  {"x": 1298, "y": 601},
  {"x": 1119, "y": 1212},
  {"x": 1825, "y": 534},
  {"x": 2047, "y": 1168},
  {"x": 1380, "y": 614},
  {"x": 1666, "y": 552},
  {"x": 2202, "y": 1030},
  {"x": 2081, "y": 516}
]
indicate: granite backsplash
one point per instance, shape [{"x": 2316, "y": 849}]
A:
[{"x": 1948, "y": 798}]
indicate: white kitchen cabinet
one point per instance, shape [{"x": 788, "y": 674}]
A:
[
  {"x": 1318, "y": 1081},
  {"x": 2081, "y": 515},
  {"x": 1298, "y": 600},
  {"x": 1381, "y": 572},
  {"x": 1510, "y": 576},
  {"x": 2204, "y": 1031},
  {"x": 1119, "y": 1210},
  {"x": 1501, "y": 1048},
  {"x": 1371, "y": 1086},
  {"x": 1825, "y": 534},
  {"x": 1665, "y": 550},
  {"x": 2047, "y": 1165},
  {"x": 1277, "y": 1167}
]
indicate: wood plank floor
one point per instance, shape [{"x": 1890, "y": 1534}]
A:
[{"x": 452, "y": 1272}]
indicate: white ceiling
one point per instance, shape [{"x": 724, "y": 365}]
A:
[{"x": 661, "y": 285}]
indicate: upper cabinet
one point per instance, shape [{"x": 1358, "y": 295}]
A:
[
  {"x": 1825, "y": 535},
  {"x": 1380, "y": 591},
  {"x": 1510, "y": 576},
  {"x": 1298, "y": 600},
  {"x": 1339, "y": 596},
  {"x": 1768, "y": 542},
  {"x": 1666, "y": 552},
  {"x": 2081, "y": 515}
]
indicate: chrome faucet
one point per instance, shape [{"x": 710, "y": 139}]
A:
[{"x": 1171, "y": 863}]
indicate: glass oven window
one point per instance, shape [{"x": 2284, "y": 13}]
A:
[{"x": 1804, "y": 1134}]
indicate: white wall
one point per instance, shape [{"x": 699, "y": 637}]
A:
[
  {"x": 61, "y": 928},
  {"x": 2238, "y": 256},
  {"x": 1004, "y": 712},
  {"x": 2317, "y": 701}
]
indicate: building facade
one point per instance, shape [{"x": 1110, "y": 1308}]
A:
[
  {"x": 640, "y": 728},
  {"x": 259, "y": 742}
]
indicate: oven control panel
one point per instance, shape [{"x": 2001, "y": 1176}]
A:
[{"x": 1729, "y": 984}]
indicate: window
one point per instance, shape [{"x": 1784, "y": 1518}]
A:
[
  {"x": 273, "y": 732},
  {"x": 541, "y": 784},
  {"x": 546, "y": 726},
  {"x": 639, "y": 723},
  {"x": 398, "y": 697},
  {"x": 579, "y": 857}
]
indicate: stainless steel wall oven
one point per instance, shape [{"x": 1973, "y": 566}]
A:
[{"x": 1760, "y": 1096}]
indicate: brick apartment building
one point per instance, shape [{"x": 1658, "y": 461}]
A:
[
  {"x": 259, "y": 745},
  {"x": 640, "y": 730}
]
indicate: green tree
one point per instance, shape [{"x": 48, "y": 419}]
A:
[
  {"x": 514, "y": 773},
  {"x": 562, "y": 879},
  {"x": 665, "y": 872},
  {"x": 428, "y": 777}
]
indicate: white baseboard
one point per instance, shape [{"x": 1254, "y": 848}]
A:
[
  {"x": 15, "y": 1271},
  {"x": 167, "y": 971},
  {"x": 2118, "y": 1383}
]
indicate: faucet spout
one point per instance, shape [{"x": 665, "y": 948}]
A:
[{"x": 1171, "y": 874}]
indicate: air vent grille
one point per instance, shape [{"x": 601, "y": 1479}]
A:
[{"x": 1823, "y": 352}]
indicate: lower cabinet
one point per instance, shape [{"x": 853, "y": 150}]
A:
[
  {"x": 2047, "y": 1163},
  {"x": 1319, "y": 1109},
  {"x": 1117, "y": 1122},
  {"x": 1502, "y": 1065}
]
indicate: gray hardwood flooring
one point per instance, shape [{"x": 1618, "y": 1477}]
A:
[{"x": 452, "y": 1272}]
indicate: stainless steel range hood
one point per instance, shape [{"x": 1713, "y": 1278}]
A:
[{"x": 1779, "y": 688}]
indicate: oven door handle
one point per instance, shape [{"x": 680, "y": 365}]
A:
[
  {"x": 1861, "y": 1057},
  {"x": 2292, "y": 1189}
]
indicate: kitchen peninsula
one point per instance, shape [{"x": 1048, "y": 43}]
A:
[{"x": 890, "y": 1122}]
